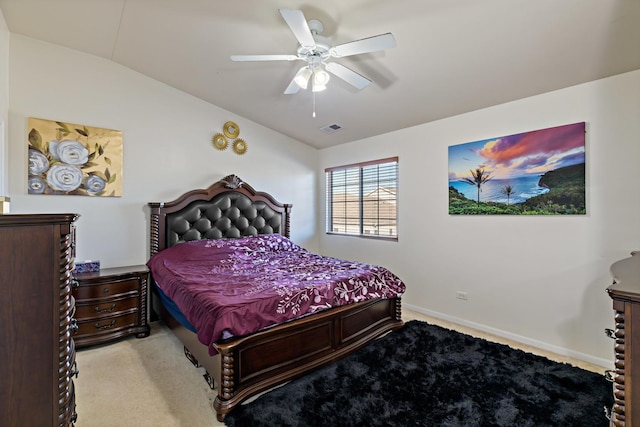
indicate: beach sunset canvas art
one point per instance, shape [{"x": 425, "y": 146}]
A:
[{"x": 541, "y": 172}]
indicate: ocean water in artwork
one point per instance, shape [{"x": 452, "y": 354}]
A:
[{"x": 523, "y": 188}]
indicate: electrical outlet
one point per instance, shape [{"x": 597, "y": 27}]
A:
[{"x": 461, "y": 295}]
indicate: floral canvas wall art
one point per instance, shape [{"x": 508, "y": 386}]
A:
[
  {"x": 541, "y": 172},
  {"x": 71, "y": 159}
]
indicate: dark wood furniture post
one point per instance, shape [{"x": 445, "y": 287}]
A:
[
  {"x": 625, "y": 293},
  {"x": 37, "y": 354}
]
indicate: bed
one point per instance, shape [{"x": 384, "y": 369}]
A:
[{"x": 242, "y": 364}]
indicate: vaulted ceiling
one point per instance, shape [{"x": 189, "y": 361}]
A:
[{"x": 452, "y": 56}]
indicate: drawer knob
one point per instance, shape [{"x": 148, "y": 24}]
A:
[
  {"x": 106, "y": 290},
  {"x": 609, "y": 375},
  {"x": 74, "y": 371},
  {"x": 105, "y": 310},
  {"x": 74, "y": 325},
  {"x": 106, "y": 326}
]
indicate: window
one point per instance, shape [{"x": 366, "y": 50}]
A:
[{"x": 362, "y": 199}]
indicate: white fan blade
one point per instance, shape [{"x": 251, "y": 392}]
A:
[
  {"x": 263, "y": 57},
  {"x": 348, "y": 75},
  {"x": 292, "y": 88},
  {"x": 296, "y": 21},
  {"x": 370, "y": 44}
]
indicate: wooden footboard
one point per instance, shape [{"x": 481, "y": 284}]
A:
[
  {"x": 265, "y": 359},
  {"x": 247, "y": 366}
]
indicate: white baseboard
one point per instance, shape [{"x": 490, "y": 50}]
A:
[{"x": 604, "y": 363}]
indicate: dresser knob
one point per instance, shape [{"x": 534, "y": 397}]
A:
[{"x": 74, "y": 325}]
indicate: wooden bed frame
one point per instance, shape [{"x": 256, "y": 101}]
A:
[{"x": 248, "y": 365}]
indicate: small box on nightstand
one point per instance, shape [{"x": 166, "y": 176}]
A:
[{"x": 88, "y": 266}]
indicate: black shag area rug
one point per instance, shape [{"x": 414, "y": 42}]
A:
[{"x": 425, "y": 375}]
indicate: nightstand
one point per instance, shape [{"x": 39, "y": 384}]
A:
[{"x": 111, "y": 304}]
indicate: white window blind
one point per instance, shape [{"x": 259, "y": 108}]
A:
[{"x": 362, "y": 199}]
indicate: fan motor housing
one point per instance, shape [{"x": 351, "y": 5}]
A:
[{"x": 320, "y": 51}]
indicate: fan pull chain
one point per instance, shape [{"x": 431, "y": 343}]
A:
[{"x": 313, "y": 94}]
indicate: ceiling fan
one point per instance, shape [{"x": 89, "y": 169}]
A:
[{"x": 316, "y": 50}]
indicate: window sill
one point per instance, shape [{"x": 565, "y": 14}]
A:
[{"x": 364, "y": 236}]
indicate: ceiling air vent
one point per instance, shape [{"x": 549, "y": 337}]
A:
[{"x": 331, "y": 128}]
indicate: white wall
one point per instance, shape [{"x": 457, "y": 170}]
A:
[
  {"x": 540, "y": 280},
  {"x": 4, "y": 102},
  {"x": 167, "y": 148},
  {"x": 537, "y": 279}
]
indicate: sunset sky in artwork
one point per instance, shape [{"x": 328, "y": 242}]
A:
[{"x": 527, "y": 153}]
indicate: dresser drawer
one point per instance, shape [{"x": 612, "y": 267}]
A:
[
  {"x": 105, "y": 290},
  {"x": 106, "y": 308},
  {"x": 105, "y": 325}
]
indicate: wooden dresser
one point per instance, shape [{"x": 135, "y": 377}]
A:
[
  {"x": 111, "y": 304},
  {"x": 625, "y": 293},
  {"x": 37, "y": 355}
]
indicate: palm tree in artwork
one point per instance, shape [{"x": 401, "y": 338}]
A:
[
  {"x": 507, "y": 191},
  {"x": 479, "y": 177}
]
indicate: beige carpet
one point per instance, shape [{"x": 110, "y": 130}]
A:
[
  {"x": 149, "y": 382},
  {"x": 144, "y": 382}
]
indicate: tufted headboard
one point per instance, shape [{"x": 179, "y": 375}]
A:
[{"x": 230, "y": 208}]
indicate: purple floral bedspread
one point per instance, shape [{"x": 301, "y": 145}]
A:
[{"x": 233, "y": 287}]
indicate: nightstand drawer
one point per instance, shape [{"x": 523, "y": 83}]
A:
[
  {"x": 106, "y": 308},
  {"x": 105, "y": 290},
  {"x": 105, "y": 325}
]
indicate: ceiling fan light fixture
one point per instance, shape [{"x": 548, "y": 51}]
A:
[
  {"x": 320, "y": 79},
  {"x": 318, "y": 88},
  {"x": 302, "y": 77}
]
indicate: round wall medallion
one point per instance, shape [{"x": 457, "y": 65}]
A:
[
  {"x": 239, "y": 146},
  {"x": 219, "y": 141},
  {"x": 231, "y": 130}
]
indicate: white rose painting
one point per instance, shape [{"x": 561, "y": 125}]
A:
[{"x": 70, "y": 159}]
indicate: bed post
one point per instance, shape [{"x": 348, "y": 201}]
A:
[
  {"x": 155, "y": 231},
  {"x": 398, "y": 308},
  {"x": 287, "y": 213}
]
